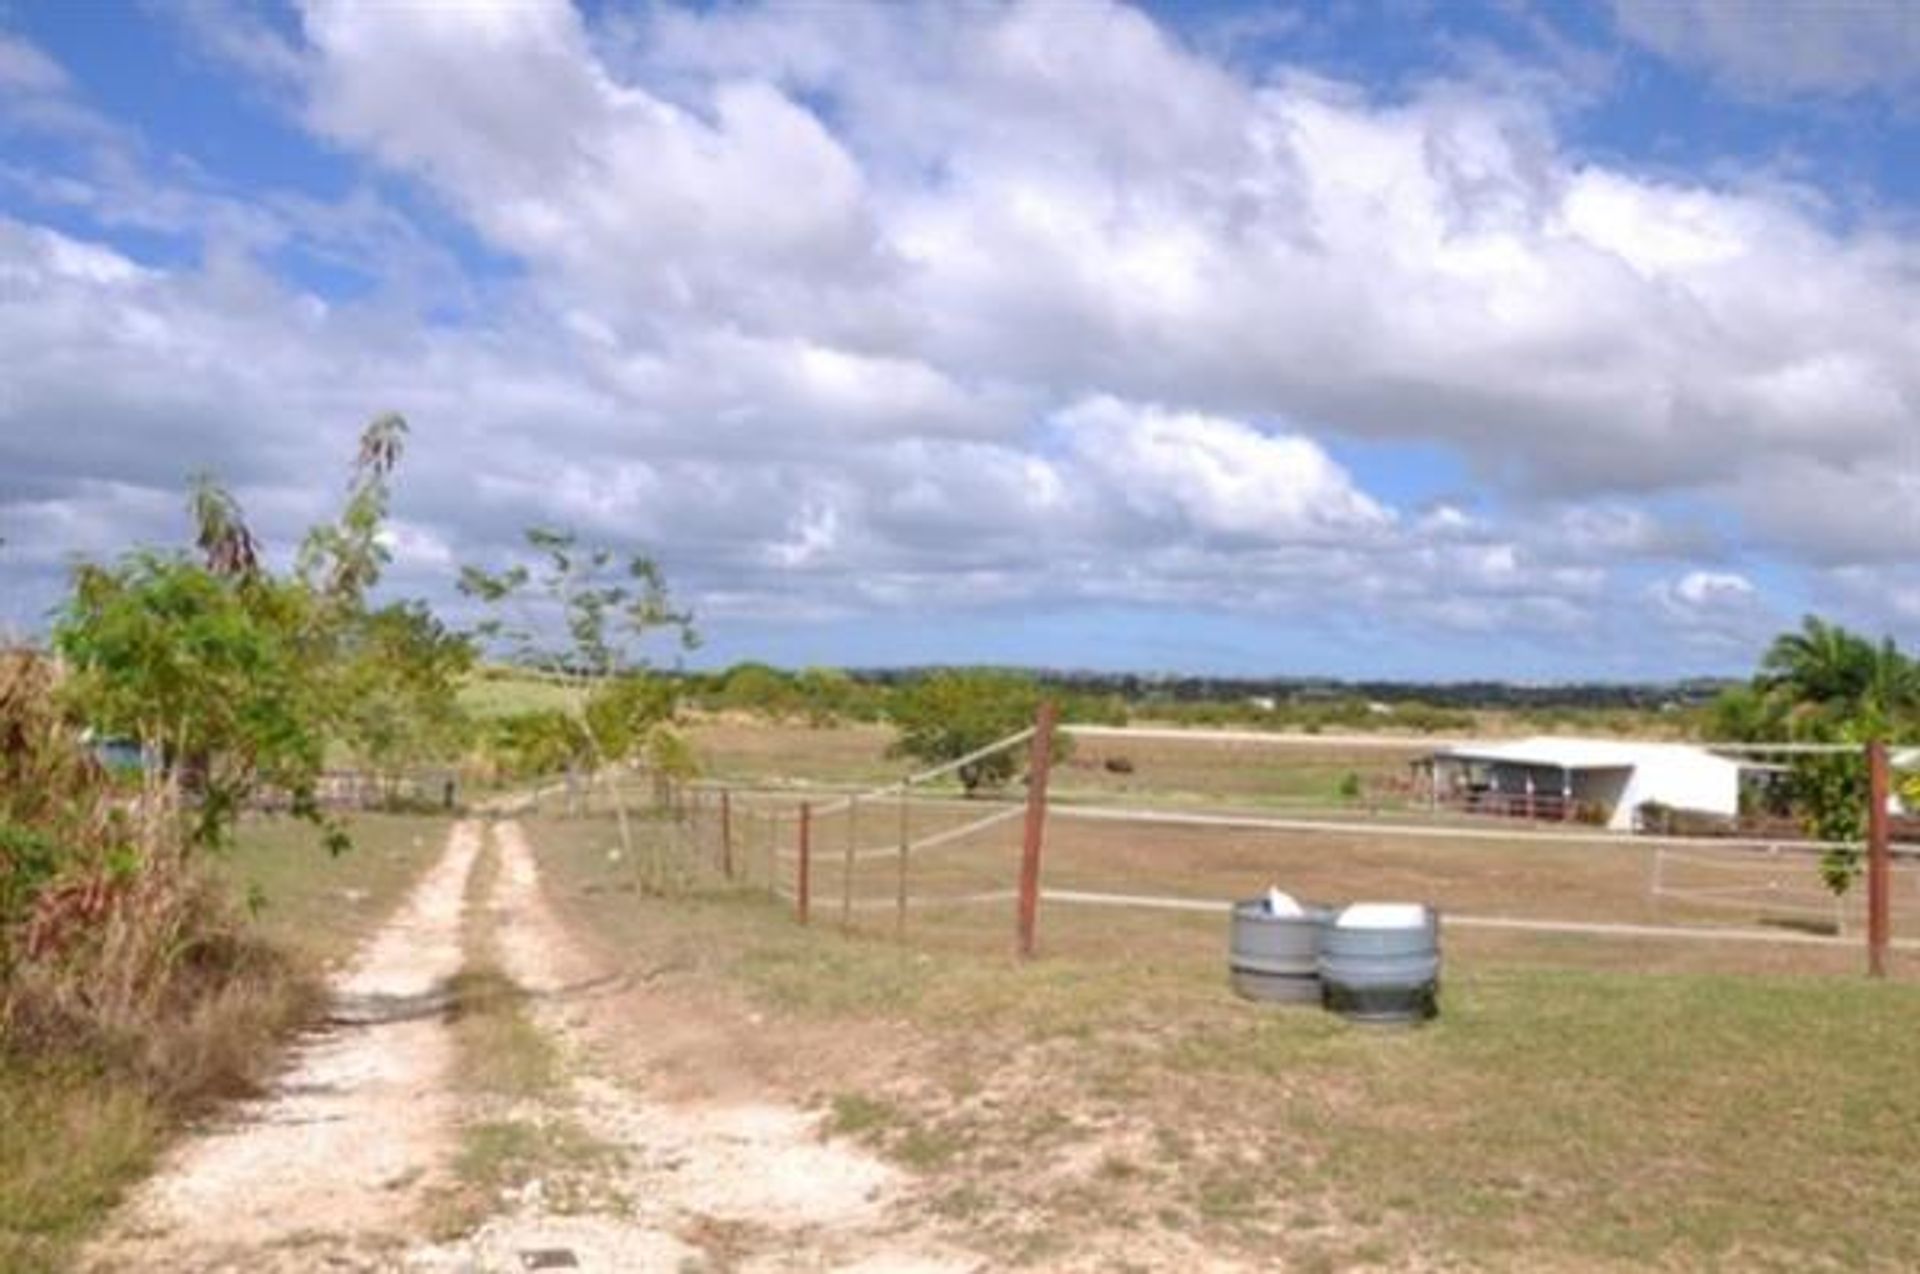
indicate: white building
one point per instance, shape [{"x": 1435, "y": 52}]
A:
[{"x": 1607, "y": 780}]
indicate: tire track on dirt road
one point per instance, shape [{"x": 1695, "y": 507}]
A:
[
  {"x": 758, "y": 1173},
  {"x": 328, "y": 1169}
]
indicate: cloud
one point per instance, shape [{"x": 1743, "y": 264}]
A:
[
  {"x": 1784, "y": 48},
  {"x": 850, "y": 309},
  {"x": 1714, "y": 609},
  {"x": 1216, "y": 477}
]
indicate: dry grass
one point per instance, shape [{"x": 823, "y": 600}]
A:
[
  {"x": 1551, "y": 1118},
  {"x": 84, "y": 1115},
  {"x": 315, "y": 904},
  {"x": 1580, "y": 1103}
]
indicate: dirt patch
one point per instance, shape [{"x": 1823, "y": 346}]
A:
[
  {"x": 726, "y": 1184},
  {"x": 329, "y": 1166}
]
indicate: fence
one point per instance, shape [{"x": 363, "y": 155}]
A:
[{"x": 1192, "y": 819}]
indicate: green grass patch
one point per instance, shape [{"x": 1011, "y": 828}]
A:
[{"x": 857, "y": 1115}]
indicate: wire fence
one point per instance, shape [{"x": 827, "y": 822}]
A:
[{"x": 1128, "y": 858}]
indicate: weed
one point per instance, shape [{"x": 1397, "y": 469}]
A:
[{"x": 857, "y": 1115}]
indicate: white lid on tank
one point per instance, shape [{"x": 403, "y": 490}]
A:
[
  {"x": 1283, "y": 904},
  {"x": 1383, "y": 915}
]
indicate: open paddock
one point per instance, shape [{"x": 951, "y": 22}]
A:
[
  {"x": 1583, "y": 1101},
  {"x": 1126, "y": 887}
]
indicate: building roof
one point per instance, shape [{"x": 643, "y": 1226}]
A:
[{"x": 1558, "y": 752}]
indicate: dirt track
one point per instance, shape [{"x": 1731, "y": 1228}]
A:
[{"x": 338, "y": 1167}]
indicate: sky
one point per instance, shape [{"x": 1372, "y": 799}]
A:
[{"x": 1397, "y": 340}]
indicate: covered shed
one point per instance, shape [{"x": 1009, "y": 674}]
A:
[{"x": 1606, "y": 781}]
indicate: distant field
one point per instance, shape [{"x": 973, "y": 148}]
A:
[
  {"x": 494, "y": 692},
  {"x": 748, "y": 751}
]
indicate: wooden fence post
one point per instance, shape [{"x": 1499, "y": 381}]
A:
[
  {"x": 772, "y": 850},
  {"x": 803, "y": 893},
  {"x": 1879, "y": 860},
  {"x": 726, "y": 833},
  {"x": 900, "y": 883},
  {"x": 846, "y": 869},
  {"x": 1040, "y": 763}
]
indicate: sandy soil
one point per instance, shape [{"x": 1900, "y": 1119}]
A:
[
  {"x": 328, "y": 1168},
  {"x": 743, "y": 1185}
]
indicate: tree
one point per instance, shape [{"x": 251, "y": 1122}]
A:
[
  {"x": 1822, "y": 674},
  {"x": 1743, "y": 714},
  {"x": 760, "y": 689},
  {"x": 607, "y": 605},
  {"x": 949, "y": 714},
  {"x": 234, "y": 679},
  {"x": 1824, "y": 684},
  {"x": 399, "y": 689},
  {"x": 826, "y": 695},
  {"x": 538, "y": 742}
]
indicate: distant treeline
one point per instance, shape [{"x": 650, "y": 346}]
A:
[
  {"x": 824, "y": 696},
  {"x": 1142, "y": 688}
]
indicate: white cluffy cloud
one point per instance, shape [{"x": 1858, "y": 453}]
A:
[
  {"x": 1217, "y": 477},
  {"x": 1711, "y": 588},
  {"x": 934, "y": 306}
]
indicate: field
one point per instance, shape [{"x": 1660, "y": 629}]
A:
[
  {"x": 1370, "y": 845},
  {"x": 1582, "y": 1101},
  {"x": 107, "y": 1125}
]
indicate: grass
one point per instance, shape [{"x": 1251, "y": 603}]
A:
[
  {"x": 503, "y": 692},
  {"x": 319, "y": 905},
  {"x": 77, "y": 1132},
  {"x": 1579, "y": 1103},
  {"x": 70, "y": 1139}
]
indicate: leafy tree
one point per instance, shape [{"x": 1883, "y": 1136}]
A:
[
  {"x": 827, "y": 695},
  {"x": 537, "y": 742},
  {"x": 208, "y": 671},
  {"x": 1821, "y": 675},
  {"x": 760, "y": 689},
  {"x": 1824, "y": 684},
  {"x": 1743, "y": 714},
  {"x": 234, "y": 678},
  {"x": 623, "y": 712},
  {"x": 949, "y": 714},
  {"x": 605, "y": 607},
  {"x": 399, "y": 689}
]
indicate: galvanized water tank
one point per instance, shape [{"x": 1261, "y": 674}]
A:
[
  {"x": 1276, "y": 956},
  {"x": 1380, "y": 962}
]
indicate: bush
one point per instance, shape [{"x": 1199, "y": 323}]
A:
[
  {"x": 118, "y": 949},
  {"x": 950, "y": 714}
]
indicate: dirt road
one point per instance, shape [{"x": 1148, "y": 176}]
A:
[{"x": 343, "y": 1165}]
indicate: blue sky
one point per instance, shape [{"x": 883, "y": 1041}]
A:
[{"x": 1400, "y": 339}]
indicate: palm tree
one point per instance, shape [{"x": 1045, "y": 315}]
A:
[{"x": 1822, "y": 673}]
